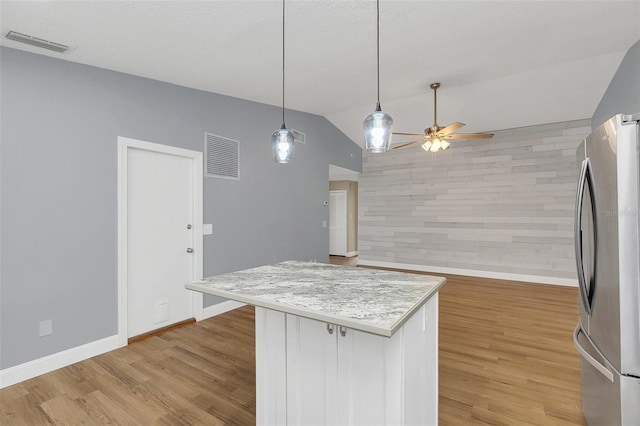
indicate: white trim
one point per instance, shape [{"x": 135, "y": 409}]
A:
[
  {"x": 345, "y": 236},
  {"x": 221, "y": 308},
  {"x": 351, "y": 253},
  {"x": 122, "y": 242},
  {"x": 538, "y": 279},
  {"x": 12, "y": 375},
  {"x": 198, "y": 245},
  {"x": 123, "y": 145}
]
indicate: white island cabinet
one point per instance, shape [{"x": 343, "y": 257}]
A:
[{"x": 338, "y": 345}]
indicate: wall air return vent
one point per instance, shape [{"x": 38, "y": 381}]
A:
[
  {"x": 221, "y": 157},
  {"x": 35, "y": 41},
  {"x": 298, "y": 137}
]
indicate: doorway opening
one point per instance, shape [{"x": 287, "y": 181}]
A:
[{"x": 343, "y": 212}]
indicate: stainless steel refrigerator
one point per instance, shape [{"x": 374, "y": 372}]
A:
[{"x": 607, "y": 242}]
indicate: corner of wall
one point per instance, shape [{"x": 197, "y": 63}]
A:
[{"x": 623, "y": 93}]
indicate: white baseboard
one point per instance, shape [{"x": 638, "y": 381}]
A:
[
  {"x": 19, "y": 373},
  {"x": 221, "y": 308},
  {"x": 351, "y": 253},
  {"x": 28, "y": 370},
  {"x": 473, "y": 273}
]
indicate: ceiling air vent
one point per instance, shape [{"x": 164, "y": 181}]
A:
[
  {"x": 221, "y": 157},
  {"x": 35, "y": 41},
  {"x": 298, "y": 137}
]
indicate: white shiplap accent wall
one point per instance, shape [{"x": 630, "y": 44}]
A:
[{"x": 500, "y": 208}]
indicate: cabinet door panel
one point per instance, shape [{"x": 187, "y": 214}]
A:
[
  {"x": 391, "y": 381},
  {"x": 361, "y": 378},
  {"x": 420, "y": 351},
  {"x": 311, "y": 372},
  {"x": 271, "y": 367}
]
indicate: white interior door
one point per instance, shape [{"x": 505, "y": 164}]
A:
[
  {"x": 338, "y": 223},
  {"x": 160, "y": 239}
]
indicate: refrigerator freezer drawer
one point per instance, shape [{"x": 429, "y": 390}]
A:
[
  {"x": 608, "y": 398},
  {"x": 630, "y": 392}
]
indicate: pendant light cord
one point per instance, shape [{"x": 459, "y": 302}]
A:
[
  {"x": 283, "y": 26},
  {"x": 378, "y": 47}
]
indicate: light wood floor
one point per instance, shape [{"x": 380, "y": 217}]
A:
[{"x": 506, "y": 358}]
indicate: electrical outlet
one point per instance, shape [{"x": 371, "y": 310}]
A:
[{"x": 46, "y": 327}]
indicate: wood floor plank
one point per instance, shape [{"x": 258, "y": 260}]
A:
[
  {"x": 99, "y": 406},
  {"x": 64, "y": 410},
  {"x": 23, "y": 410},
  {"x": 12, "y": 392},
  {"x": 159, "y": 374},
  {"x": 506, "y": 358},
  {"x": 129, "y": 399},
  {"x": 177, "y": 406}
]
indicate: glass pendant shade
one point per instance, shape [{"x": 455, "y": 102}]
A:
[
  {"x": 282, "y": 144},
  {"x": 377, "y": 131}
]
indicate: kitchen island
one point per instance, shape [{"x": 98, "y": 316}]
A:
[{"x": 339, "y": 345}]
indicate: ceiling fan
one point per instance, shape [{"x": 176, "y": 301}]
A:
[{"x": 435, "y": 138}]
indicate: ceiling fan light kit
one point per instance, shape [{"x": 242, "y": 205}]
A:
[
  {"x": 435, "y": 146},
  {"x": 282, "y": 140},
  {"x": 377, "y": 125}
]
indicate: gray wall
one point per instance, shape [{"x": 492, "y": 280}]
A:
[
  {"x": 623, "y": 93},
  {"x": 60, "y": 122},
  {"x": 503, "y": 205}
]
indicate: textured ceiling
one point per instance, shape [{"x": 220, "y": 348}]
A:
[{"x": 501, "y": 64}]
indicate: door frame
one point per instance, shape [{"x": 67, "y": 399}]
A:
[
  {"x": 346, "y": 218},
  {"x": 124, "y": 144}
]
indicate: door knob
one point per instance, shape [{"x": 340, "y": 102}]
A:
[{"x": 189, "y": 250}]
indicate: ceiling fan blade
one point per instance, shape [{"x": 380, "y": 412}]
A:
[
  {"x": 410, "y": 144},
  {"x": 408, "y": 134},
  {"x": 450, "y": 128},
  {"x": 469, "y": 136}
]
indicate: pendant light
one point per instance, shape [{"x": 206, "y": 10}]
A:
[
  {"x": 377, "y": 125},
  {"x": 282, "y": 140}
]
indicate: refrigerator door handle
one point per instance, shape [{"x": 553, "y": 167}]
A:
[
  {"x": 591, "y": 360},
  {"x": 586, "y": 177}
]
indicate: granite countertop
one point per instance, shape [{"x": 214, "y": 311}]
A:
[{"x": 369, "y": 300}]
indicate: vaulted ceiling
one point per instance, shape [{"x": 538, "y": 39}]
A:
[{"x": 502, "y": 64}]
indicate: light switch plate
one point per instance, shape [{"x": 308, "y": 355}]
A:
[
  {"x": 207, "y": 229},
  {"x": 46, "y": 327}
]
